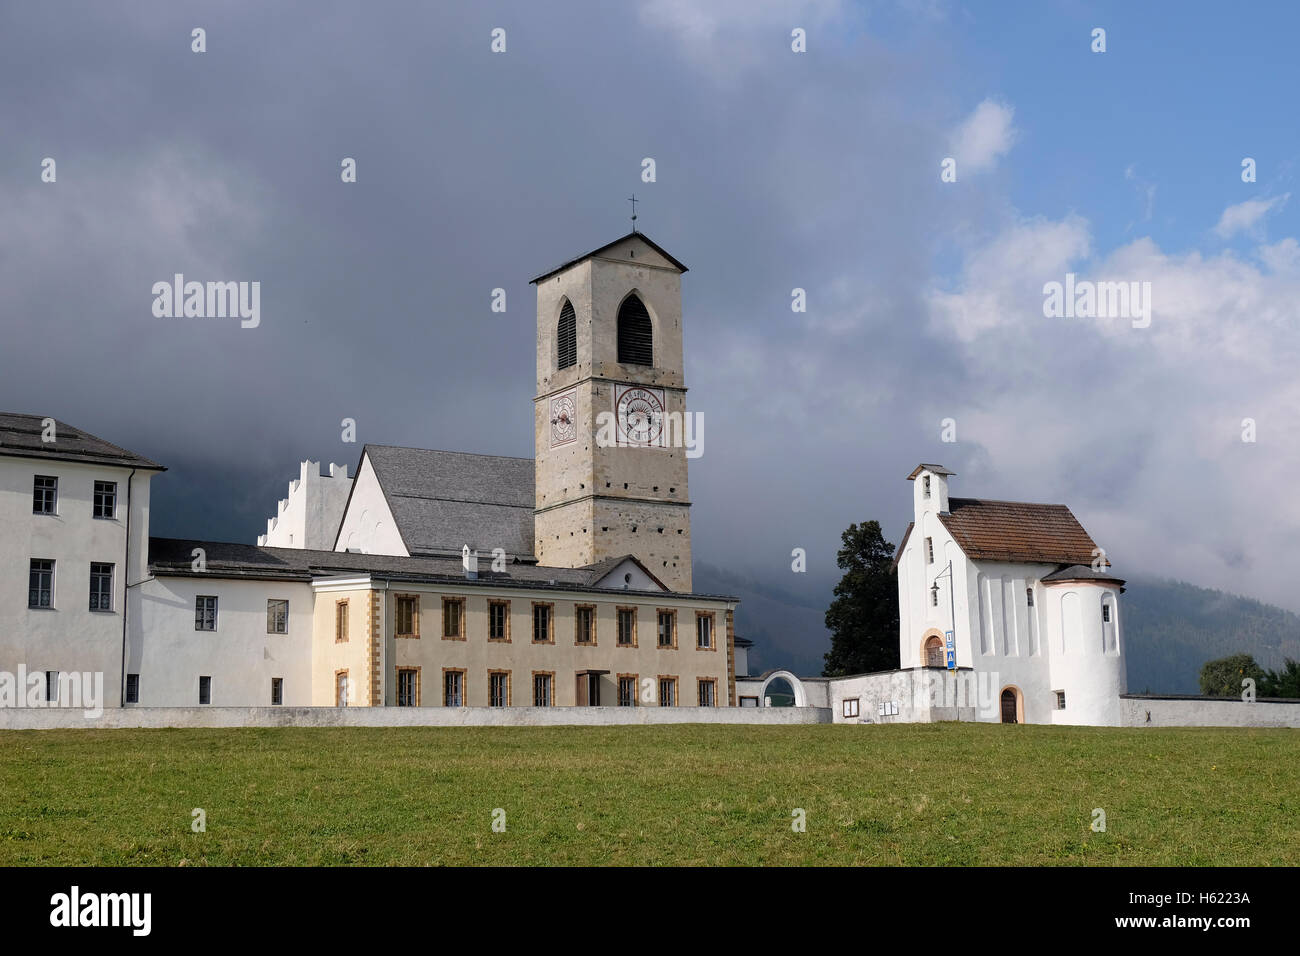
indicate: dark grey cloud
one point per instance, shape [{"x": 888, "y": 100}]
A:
[{"x": 477, "y": 171}]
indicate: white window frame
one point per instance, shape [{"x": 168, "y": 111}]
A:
[
  {"x": 270, "y": 629},
  {"x": 54, "y": 491},
  {"x": 205, "y": 597},
  {"x": 543, "y": 691},
  {"x": 111, "y": 495},
  {"x": 456, "y": 697},
  {"x": 707, "y": 688},
  {"x": 670, "y": 699},
  {"x": 504, "y": 696},
  {"x": 630, "y": 700},
  {"x": 53, "y": 567},
  {"x": 704, "y": 631},
  {"x": 101, "y": 575}
]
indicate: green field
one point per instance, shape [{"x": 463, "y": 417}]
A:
[{"x": 689, "y": 794}]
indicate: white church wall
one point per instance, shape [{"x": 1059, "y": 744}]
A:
[
  {"x": 1081, "y": 661},
  {"x": 1008, "y": 634},
  {"x": 367, "y": 525},
  {"x": 240, "y": 656},
  {"x": 917, "y": 615}
]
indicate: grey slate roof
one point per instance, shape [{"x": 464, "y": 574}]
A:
[
  {"x": 172, "y": 557},
  {"x": 21, "y": 435},
  {"x": 443, "y": 500}
]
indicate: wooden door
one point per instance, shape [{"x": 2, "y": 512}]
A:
[{"x": 1009, "y": 707}]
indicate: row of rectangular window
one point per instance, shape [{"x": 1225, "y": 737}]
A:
[
  {"x": 408, "y": 689},
  {"x": 45, "y": 497},
  {"x": 205, "y": 689},
  {"x": 40, "y": 584},
  {"x": 205, "y": 614},
  {"x": 40, "y": 594},
  {"x": 407, "y": 623},
  {"x": 453, "y": 689}
]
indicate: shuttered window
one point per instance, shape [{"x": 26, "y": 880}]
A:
[
  {"x": 635, "y": 338},
  {"x": 566, "y": 338}
]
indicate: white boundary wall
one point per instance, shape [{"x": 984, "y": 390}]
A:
[
  {"x": 1207, "y": 712},
  {"x": 35, "y": 718}
]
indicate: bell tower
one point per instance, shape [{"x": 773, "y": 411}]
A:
[{"x": 610, "y": 412}]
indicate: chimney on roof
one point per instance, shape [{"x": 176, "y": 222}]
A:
[{"x": 469, "y": 561}]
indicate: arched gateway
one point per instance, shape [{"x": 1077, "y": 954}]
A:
[{"x": 800, "y": 698}]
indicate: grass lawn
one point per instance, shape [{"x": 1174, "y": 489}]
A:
[{"x": 687, "y": 794}]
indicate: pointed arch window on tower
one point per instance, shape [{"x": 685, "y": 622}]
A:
[
  {"x": 635, "y": 335},
  {"x": 566, "y": 338}
]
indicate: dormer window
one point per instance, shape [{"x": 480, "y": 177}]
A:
[{"x": 925, "y": 486}]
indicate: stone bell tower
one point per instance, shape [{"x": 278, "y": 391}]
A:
[{"x": 610, "y": 412}]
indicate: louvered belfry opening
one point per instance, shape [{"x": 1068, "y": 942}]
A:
[
  {"x": 635, "y": 336},
  {"x": 566, "y": 350}
]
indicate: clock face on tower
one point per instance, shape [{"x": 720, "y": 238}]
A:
[
  {"x": 564, "y": 418},
  {"x": 639, "y": 413}
]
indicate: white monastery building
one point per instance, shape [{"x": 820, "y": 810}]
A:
[
  {"x": 431, "y": 578},
  {"x": 445, "y": 579}
]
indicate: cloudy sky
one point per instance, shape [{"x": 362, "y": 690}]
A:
[{"x": 775, "y": 170}]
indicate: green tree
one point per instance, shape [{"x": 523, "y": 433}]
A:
[
  {"x": 1284, "y": 683},
  {"x": 1223, "y": 677},
  {"x": 863, "y": 618}
]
